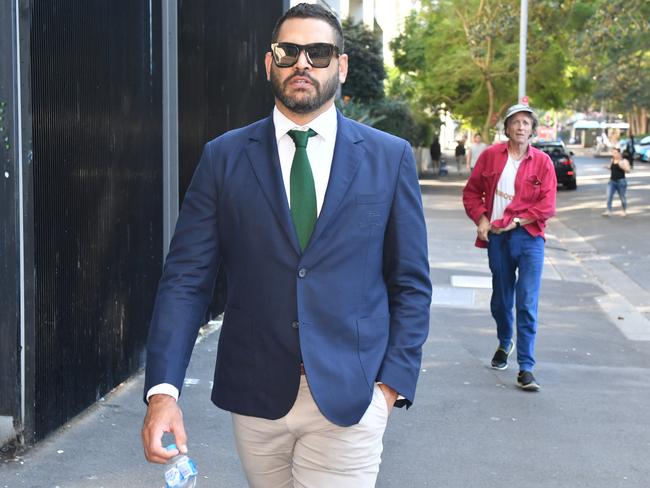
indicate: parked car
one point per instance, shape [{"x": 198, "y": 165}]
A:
[
  {"x": 565, "y": 169},
  {"x": 642, "y": 149},
  {"x": 641, "y": 146}
]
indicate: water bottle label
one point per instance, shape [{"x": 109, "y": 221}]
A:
[
  {"x": 173, "y": 477},
  {"x": 187, "y": 468}
]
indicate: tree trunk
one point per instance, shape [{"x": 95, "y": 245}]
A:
[
  {"x": 638, "y": 120},
  {"x": 643, "y": 126},
  {"x": 631, "y": 120},
  {"x": 490, "y": 112}
]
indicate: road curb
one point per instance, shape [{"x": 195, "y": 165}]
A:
[{"x": 624, "y": 299}]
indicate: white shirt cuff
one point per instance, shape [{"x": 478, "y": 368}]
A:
[
  {"x": 164, "y": 389},
  {"x": 399, "y": 397}
]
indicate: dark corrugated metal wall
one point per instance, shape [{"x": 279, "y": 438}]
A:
[
  {"x": 97, "y": 128},
  {"x": 9, "y": 298},
  {"x": 97, "y": 170},
  {"x": 222, "y": 82}
]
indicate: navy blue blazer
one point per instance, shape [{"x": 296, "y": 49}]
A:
[{"x": 354, "y": 306}]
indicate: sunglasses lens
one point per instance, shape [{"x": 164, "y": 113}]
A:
[
  {"x": 319, "y": 55},
  {"x": 286, "y": 55}
]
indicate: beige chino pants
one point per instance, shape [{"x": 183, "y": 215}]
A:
[{"x": 305, "y": 450}]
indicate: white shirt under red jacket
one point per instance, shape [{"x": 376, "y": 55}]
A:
[{"x": 535, "y": 189}]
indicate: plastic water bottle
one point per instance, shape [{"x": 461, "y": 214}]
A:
[{"x": 182, "y": 473}]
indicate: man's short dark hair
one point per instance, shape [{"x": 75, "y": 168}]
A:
[{"x": 311, "y": 11}]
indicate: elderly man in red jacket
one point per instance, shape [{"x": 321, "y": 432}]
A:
[{"x": 509, "y": 196}]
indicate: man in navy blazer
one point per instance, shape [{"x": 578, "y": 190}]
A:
[{"x": 323, "y": 331}]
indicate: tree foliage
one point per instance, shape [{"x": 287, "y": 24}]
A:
[
  {"x": 464, "y": 56},
  {"x": 366, "y": 74},
  {"x": 612, "y": 46},
  {"x": 359, "y": 111},
  {"x": 363, "y": 92}
]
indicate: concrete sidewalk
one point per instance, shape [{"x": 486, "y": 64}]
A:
[{"x": 470, "y": 426}]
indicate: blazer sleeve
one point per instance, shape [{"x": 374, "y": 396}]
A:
[
  {"x": 406, "y": 272},
  {"x": 186, "y": 286}
]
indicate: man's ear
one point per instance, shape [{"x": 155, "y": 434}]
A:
[
  {"x": 268, "y": 60},
  {"x": 343, "y": 67}
]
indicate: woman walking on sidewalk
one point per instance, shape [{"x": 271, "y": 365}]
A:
[
  {"x": 509, "y": 196},
  {"x": 617, "y": 181}
]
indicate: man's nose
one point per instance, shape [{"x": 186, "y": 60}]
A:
[{"x": 302, "y": 62}]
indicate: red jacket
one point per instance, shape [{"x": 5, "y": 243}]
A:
[{"x": 535, "y": 189}]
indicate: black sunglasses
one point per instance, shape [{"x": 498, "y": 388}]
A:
[{"x": 319, "y": 54}]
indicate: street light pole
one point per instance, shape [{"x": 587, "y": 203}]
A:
[{"x": 523, "y": 34}]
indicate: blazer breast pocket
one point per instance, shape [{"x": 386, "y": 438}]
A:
[{"x": 371, "y": 209}]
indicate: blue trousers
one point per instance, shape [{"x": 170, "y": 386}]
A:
[
  {"x": 617, "y": 186},
  {"x": 516, "y": 261}
]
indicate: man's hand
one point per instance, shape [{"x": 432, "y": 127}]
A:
[
  {"x": 483, "y": 228},
  {"x": 511, "y": 226},
  {"x": 163, "y": 415},
  {"x": 501, "y": 230},
  {"x": 390, "y": 395}
]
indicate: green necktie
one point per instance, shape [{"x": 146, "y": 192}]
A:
[{"x": 302, "y": 190}]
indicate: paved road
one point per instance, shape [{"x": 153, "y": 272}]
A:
[
  {"x": 470, "y": 426},
  {"x": 588, "y": 427},
  {"x": 623, "y": 241}
]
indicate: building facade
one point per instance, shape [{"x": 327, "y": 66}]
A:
[{"x": 387, "y": 16}]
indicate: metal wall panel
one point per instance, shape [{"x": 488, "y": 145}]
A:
[
  {"x": 97, "y": 137},
  {"x": 222, "y": 81},
  {"x": 9, "y": 264},
  {"x": 16, "y": 231},
  {"x": 221, "y": 78}
]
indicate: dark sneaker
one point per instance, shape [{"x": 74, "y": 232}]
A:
[
  {"x": 500, "y": 358},
  {"x": 526, "y": 381}
]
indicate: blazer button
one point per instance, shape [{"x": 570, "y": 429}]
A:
[
  {"x": 302, "y": 272},
  {"x": 295, "y": 324}
]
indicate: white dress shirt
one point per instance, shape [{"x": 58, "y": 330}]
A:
[{"x": 320, "y": 151}]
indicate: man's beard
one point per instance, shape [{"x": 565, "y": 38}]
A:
[{"x": 306, "y": 103}]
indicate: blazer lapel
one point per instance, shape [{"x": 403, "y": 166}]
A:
[
  {"x": 348, "y": 153},
  {"x": 262, "y": 152}
]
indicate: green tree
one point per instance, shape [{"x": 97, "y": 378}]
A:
[
  {"x": 363, "y": 92},
  {"x": 366, "y": 74},
  {"x": 463, "y": 56},
  {"x": 361, "y": 112},
  {"x": 612, "y": 51}
]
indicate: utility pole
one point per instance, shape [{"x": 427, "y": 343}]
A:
[
  {"x": 523, "y": 34},
  {"x": 170, "y": 119}
]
